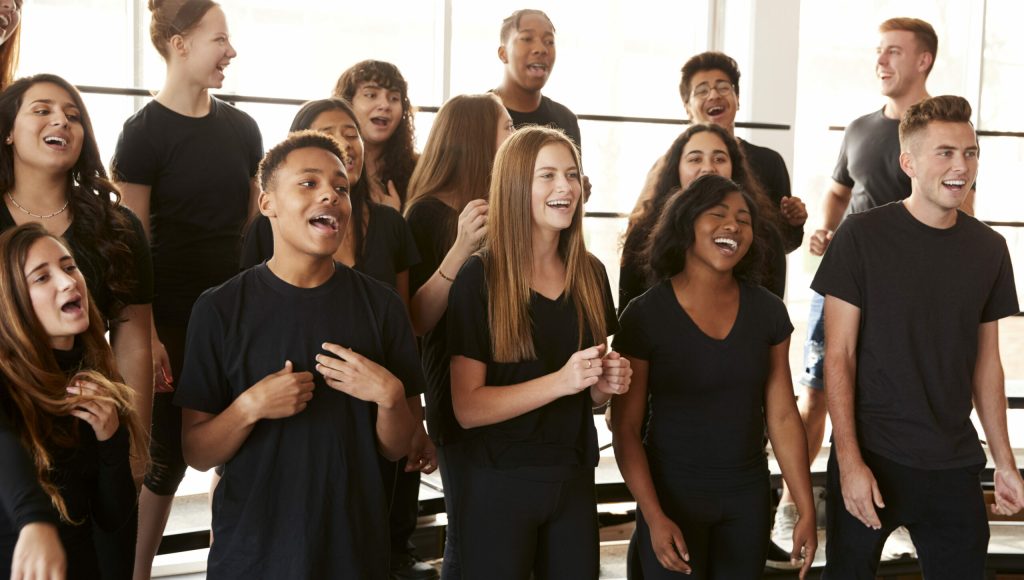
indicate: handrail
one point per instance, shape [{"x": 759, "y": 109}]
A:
[
  {"x": 233, "y": 98},
  {"x": 980, "y": 132}
]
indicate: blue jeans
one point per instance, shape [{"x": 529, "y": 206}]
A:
[{"x": 814, "y": 348}]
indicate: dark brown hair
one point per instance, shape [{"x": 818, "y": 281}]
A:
[
  {"x": 945, "y": 108},
  {"x": 399, "y": 157},
  {"x": 92, "y": 198},
  {"x": 710, "y": 60}
]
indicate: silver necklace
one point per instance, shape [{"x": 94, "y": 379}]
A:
[{"x": 35, "y": 215}]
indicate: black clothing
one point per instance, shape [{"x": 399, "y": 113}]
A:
[
  {"x": 869, "y": 163},
  {"x": 167, "y": 464},
  {"x": 706, "y": 396},
  {"x": 94, "y": 478},
  {"x": 943, "y": 509},
  {"x": 116, "y": 548},
  {"x": 433, "y": 224},
  {"x": 199, "y": 170},
  {"x": 525, "y": 521},
  {"x": 769, "y": 169},
  {"x": 922, "y": 293},
  {"x": 387, "y": 249},
  {"x": 550, "y": 114},
  {"x": 726, "y": 534},
  {"x": 560, "y": 433},
  {"x": 303, "y": 496},
  {"x": 89, "y": 261}
]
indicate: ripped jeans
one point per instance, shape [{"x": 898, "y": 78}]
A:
[{"x": 814, "y": 347}]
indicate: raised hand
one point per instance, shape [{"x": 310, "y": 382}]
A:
[
  {"x": 100, "y": 413},
  {"x": 582, "y": 370},
  {"x": 793, "y": 211},
  {"x": 615, "y": 376},
  {"x": 819, "y": 241},
  {"x": 352, "y": 373},
  {"x": 281, "y": 394},
  {"x": 472, "y": 227}
]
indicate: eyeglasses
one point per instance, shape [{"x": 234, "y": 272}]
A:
[{"x": 723, "y": 88}]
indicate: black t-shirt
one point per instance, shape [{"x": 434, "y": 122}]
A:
[
  {"x": 94, "y": 478},
  {"x": 922, "y": 292},
  {"x": 869, "y": 163},
  {"x": 433, "y": 224},
  {"x": 559, "y": 434},
  {"x": 200, "y": 170},
  {"x": 303, "y": 496},
  {"x": 770, "y": 171},
  {"x": 550, "y": 114},
  {"x": 388, "y": 247},
  {"x": 706, "y": 396},
  {"x": 89, "y": 261}
]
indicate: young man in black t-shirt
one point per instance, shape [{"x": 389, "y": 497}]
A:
[
  {"x": 528, "y": 52},
  {"x": 913, "y": 293},
  {"x": 293, "y": 380}
]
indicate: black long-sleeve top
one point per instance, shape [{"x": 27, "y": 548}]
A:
[{"x": 94, "y": 477}]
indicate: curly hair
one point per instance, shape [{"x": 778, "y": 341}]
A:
[
  {"x": 400, "y": 156},
  {"x": 673, "y": 233},
  {"x": 34, "y": 385},
  {"x": 93, "y": 200},
  {"x": 645, "y": 216}
]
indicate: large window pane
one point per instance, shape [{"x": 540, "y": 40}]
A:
[
  {"x": 1003, "y": 73},
  {"x": 298, "y": 49},
  {"x": 88, "y": 42},
  {"x": 613, "y": 58}
]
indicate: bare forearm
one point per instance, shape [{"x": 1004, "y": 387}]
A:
[
  {"x": 834, "y": 205},
  {"x": 789, "y": 444},
  {"x": 395, "y": 425},
  {"x": 635, "y": 470},
  {"x": 840, "y": 377},
  {"x": 215, "y": 441},
  {"x": 486, "y": 405},
  {"x": 990, "y": 402},
  {"x": 431, "y": 300}
]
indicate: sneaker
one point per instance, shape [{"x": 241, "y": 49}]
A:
[
  {"x": 785, "y": 520},
  {"x": 779, "y": 559},
  {"x": 408, "y": 567}
]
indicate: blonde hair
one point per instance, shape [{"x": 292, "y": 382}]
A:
[{"x": 509, "y": 253}]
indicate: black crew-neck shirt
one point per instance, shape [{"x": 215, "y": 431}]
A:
[
  {"x": 559, "y": 434},
  {"x": 922, "y": 293},
  {"x": 388, "y": 247},
  {"x": 199, "y": 170},
  {"x": 303, "y": 496},
  {"x": 550, "y": 114},
  {"x": 706, "y": 396}
]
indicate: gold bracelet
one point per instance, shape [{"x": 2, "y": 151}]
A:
[{"x": 446, "y": 277}]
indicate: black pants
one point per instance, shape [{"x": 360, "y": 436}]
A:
[
  {"x": 530, "y": 520},
  {"x": 452, "y": 463},
  {"x": 403, "y": 491},
  {"x": 726, "y": 534},
  {"x": 115, "y": 550},
  {"x": 167, "y": 467},
  {"x": 944, "y": 511}
]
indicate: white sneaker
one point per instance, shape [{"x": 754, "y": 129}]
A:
[{"x": 786, "y": 517}]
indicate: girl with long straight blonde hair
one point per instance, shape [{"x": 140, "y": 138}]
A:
[
  {"x": 64, "y": 407},
  {"x": 528, "y": 320}
]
